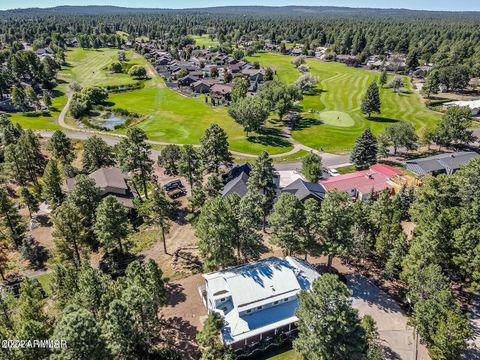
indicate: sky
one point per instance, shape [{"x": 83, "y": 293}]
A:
[{"x": 458, "y": 5}]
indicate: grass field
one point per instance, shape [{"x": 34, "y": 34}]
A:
[
  {"x": 42, "y": 122},
  {"x": 172, "y": 117},
  {"x": 204, "y": 40},
  {"x": 90, "y": 67},
  {"x": 87, "y": 67},
  {"x": 332, "y": 116}
]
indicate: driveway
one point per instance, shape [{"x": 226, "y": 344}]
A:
[{"x": 396, "y": 336}]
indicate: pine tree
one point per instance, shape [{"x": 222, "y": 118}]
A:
[
  {"x": 383, "y": 77},
  {"x": 335, "y": 225},
  {"x": 112, "y": 225},
  {"x": 208, "y": 339},
  {"x": 83, "y": 336},
  {"x": 53, "y": 187},
  {"x": 61, "y": 148},
  {"x": 11, "y": 220},
  {"x": 158, "y": 210},
  {"x": 213, "y": 185},
  {"x": 30, "y": 200},
  {"x": 69, "y": 234},
  {"x": 133, "y": 154},
  {"x": 216, "y": 230},
  {"x": 262, "y": 183},
  {"x": 214, "y": 149},
  {"x": 30, "y": 320},
  {"x": 85, "y": 196},
  {"x": 168, "y": 158},
  {"x": 312, "y": 167},
  {"x": 371, "y": 101},
  {"x": 287, "y": 222},
  {"x": 364, "y": 152},
  {"x": 47, "y": 100},
  {"x": 329, "y": 328},
  {"x": 96, "y": 154},
  {"x": 190, "y": 166}
]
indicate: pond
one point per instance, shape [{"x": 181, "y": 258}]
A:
[{"x": 110, "y": 121}]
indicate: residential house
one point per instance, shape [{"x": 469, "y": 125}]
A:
[
  {"x": 254, "y": 75},
  {"x": 474, "y": 105},
  {"x": 187, "y": 80},
  {"x": 446, "y": 163},
  {"x": 111, "y": 181},
  {"x": 305, "y": 190},
  {"x": 362, "y": 184},
  {"x": 237, "y": 186},
  {"x": 258, "y": 300},
  {"x": 223, "y": 91}
]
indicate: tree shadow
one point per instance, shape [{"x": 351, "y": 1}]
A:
[
  {"x": 269, "y": 137},
  {"x": 382, "y": 119},
  {"x": 180, "y": 334},
  {"x": 175, "y": 294},
  {"x": 115, "y": 263},
  {"x": 306, "y": 123},
  {"x": 390, "y": 354},
  {"x": 314, "y": 92},
  {"x": 36, "y": 254}
]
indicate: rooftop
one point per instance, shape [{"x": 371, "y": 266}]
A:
[
  {"x": 447, "y": 162},
  {"x": 374, "y": 179},
  {"x": 303, "y": 189},
  {"x": 253, "y": 285}
]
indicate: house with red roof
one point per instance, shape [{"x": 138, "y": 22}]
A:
[{"x": 361, "y": 184}]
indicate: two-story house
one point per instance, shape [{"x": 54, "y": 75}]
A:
[{"x": 258, "y": 300}]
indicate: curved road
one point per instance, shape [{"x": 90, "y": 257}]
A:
[{"x": 328, "y": 159}]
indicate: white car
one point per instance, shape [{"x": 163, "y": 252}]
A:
[{"x": 333, "y": 172}]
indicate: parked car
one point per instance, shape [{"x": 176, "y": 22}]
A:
[
  {"x": 176, "y": 193},
  {"x": 333, "y": 172},
  {"x": 172, "y": 185}
]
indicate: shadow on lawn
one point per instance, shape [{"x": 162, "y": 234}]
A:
[
  {"x": 269, "y": 137},
  {"x": 382, "y": 119},
  {"x": 306, "y": 123}
]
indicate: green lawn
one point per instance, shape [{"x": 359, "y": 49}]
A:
[
  {"x": 90, "y": 67},
  {"x": 172, "y": 117},
  {"x": 45, "y": 280},
  {"x": 332, "y": 117},
  {"x": 287, "y": 355},
  {"x": 87, "y": 67},
  {"x": 204, "y": 40},
  {"x": 42, "y": 122}
]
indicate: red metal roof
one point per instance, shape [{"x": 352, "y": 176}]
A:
[{"x": 376, "y": 179}]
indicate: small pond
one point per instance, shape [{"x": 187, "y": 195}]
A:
[{"x": 110, "y": 121}]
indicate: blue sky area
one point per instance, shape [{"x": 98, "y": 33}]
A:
[{"x": 459, "y": 5}]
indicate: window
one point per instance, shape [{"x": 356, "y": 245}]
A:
[
  {"x": 222, "y": 299},
  {"x": 286, "y": 299},
  {"x": 275, "y": 302},
  {"x": 259, "y": 308},
  {"x": 249, "y": 311}
]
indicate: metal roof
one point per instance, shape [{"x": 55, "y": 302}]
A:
[{"x": 447, "y": 162}]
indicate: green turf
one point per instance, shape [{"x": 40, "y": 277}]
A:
[
  {"x": 42, "y": 122},
  {"x": 87, "y": 67},
  {"x": 44, "y": 280},
  {"x": 287, "y": 355},
  {"x": 341, "y": 90},
  {"x": 335, "y": 118},
  {"x": 204, "y": 40},
  {"x": 90, "y": 67},
  {"x": 172, "y": 117}
]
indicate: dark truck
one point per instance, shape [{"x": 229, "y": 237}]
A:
[{"x": 174, "y": 189}]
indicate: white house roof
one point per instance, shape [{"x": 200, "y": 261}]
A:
[
  {"x": 257, "y": 284},
  {"x": 472, "y": 104}
]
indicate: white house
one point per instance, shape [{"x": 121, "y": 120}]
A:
[
  {"x": 474, "y": 105},
  {"x": 258, "y": 300}
]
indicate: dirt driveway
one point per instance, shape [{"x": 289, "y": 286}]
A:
[{"x": 397, "y": 337}]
